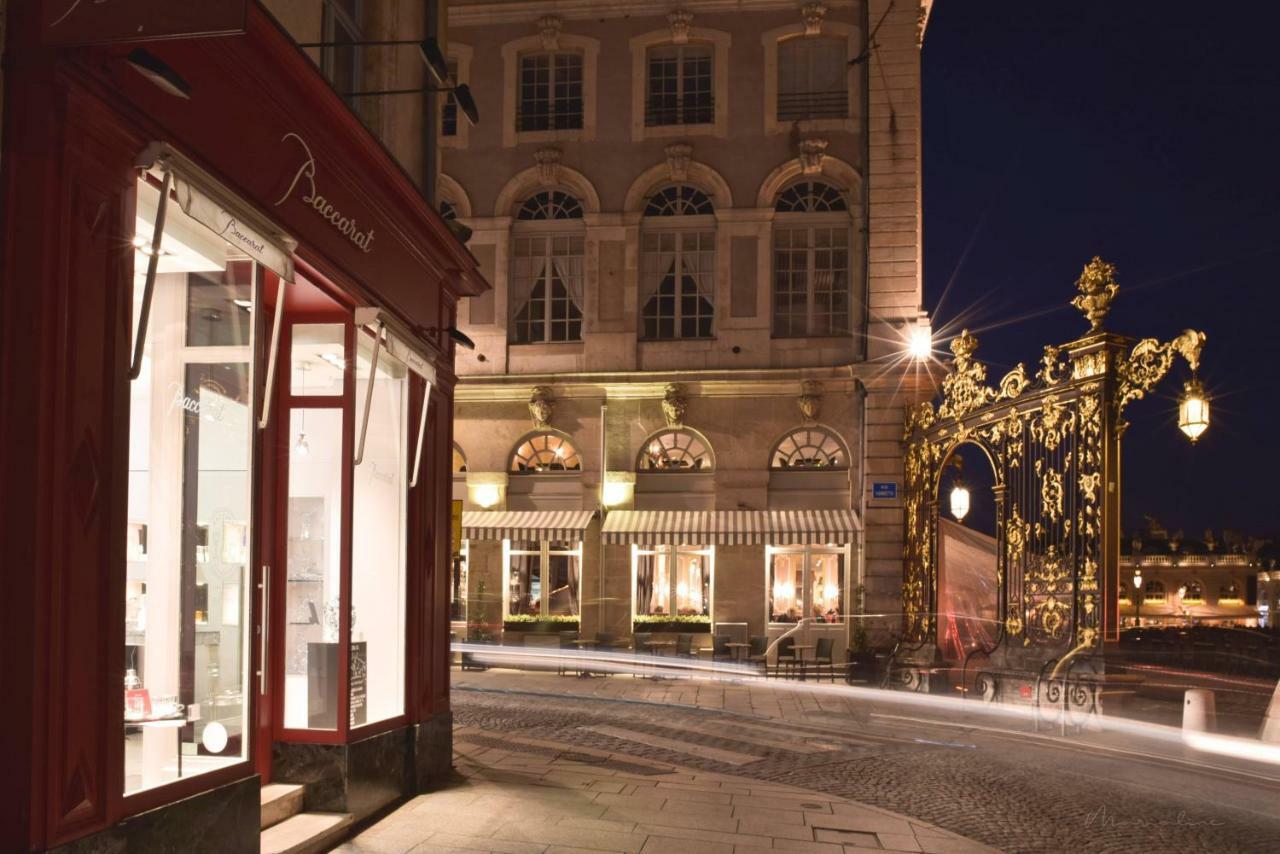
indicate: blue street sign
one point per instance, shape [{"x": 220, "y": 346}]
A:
[{"x": 884, "y": 490}]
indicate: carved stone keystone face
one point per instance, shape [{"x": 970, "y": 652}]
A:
[
  {"x": 810, "y": 400},
  {"x": 549, "y": 29},
  {"x": 812, "y": 15},
  {"x": 542, "y": 406},
  {"x": 674, "y": 405},
  {"x": 680, "y": 19}
]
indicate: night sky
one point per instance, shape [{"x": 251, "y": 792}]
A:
[{"x": 1149, "y": 134}]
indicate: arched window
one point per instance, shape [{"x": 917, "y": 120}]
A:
[
  {"x": 459, "y": 460},
  {"x": 1195, "y": 592},
  {"x": 546, "y": 269},
  {"x": 1154, "y": 591},
  {"x": 545, "y": 452},
  {"x": 809, "y": 448},
  {"x": 550, "y": 204},
  {"x": 679, "y": 200},
  {"x": 1229, "y": 593},
  {"x": 677, "y": 264},
  {"x": 811, "y": 261},
  {"x": 447, "y": 210},
  {"x": 675, "y": 450}
]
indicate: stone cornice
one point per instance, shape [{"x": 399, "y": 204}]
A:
[{"x": 476, "y": 14}]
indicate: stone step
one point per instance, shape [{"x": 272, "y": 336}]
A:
[
  {"x": 280, "y": 801},
  {"x": 305, "y": 833}
]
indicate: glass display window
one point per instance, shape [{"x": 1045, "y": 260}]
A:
[
  {"x": 458, "y": 583},
  {"x": 543, "y": 578},
  {"x": 806, "y": 582},
  {"x": 379, "y": 534},
  {"x": 672, "y": 581},
  {"x": 190, "y": 485}
]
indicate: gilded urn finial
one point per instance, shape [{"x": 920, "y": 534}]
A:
[
  {"x": 1097, "y": 286},
  {"x": 962, "y": 347}
]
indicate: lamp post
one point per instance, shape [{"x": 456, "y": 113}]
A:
[{"x": 1137, "y": 597}]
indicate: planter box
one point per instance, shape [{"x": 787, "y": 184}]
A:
[
  {"x": 540, "y": 626},
  {"x": 673, "y": 627}
]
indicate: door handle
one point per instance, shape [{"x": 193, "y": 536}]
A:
[{"x": 264, "y": 628}]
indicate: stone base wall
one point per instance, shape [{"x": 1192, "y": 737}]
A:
[
  {"x": 225, "y": 820},
  {"x": 359, "y": 778}
]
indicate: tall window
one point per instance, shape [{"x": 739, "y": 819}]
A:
[
  {"x": 189, "y": 507},
  {"x": 550, "y": 92},
  {"x": 543, "y": 578},
  {"x": 809, "y": 448},
  {"x": 379, "y": 534},
  {"x": 677, "y": 262},
  {"x": 546, "y": 270},
  {"x": 449, "y": 109},
  {"x": 340, "y": 25},
  {"x": 813, "y": 79},
  {"x": 1195, "y": 592},
  {"x": 811, "y": 266},
  {"x": 545, "y": 452},
  {"x": 675, "y": 450},
  {"x": 679, "y": 86},
  {"x": 1229, "y": 594},
  {"x": 806, "y": 581},
  {"x": 1154, "y": 591},
  {"x": 672, "y": 581}
]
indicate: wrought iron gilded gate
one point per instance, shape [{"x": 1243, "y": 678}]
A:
[{"x": 1053, "y": 437}]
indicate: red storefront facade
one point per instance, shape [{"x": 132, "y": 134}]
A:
[{"x": 225, "y": 539}]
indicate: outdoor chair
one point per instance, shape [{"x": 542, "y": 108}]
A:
[
  {"x": 758, "y": 652},
  {"x": 786, "y": 656},
  {"x": 641, "y": 644},
  {"x": 567, "y": 642},
  {"x": 720, "y": 649},
  {"x": 822, "y": 656}
]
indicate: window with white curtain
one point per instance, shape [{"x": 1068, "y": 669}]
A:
[
  {"x": 813, "y": 79},
  {"x": 677, "y": 264},
  {"x": 546, "y": 270},
  {"x": 811, "y": 262}
]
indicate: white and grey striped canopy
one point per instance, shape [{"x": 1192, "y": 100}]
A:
[{"x": 730, "y": 527}]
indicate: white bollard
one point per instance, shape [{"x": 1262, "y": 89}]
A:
[
  {"x": 1271, "y": 723},
  {"x": 1198, "y": 711}
]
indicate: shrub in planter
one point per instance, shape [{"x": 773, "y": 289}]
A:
[
  {"x": 525, "y": 623},
  {"x": 671, "y": 623}
]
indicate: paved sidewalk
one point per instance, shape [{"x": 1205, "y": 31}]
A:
[{"x": 532, "y": 796}]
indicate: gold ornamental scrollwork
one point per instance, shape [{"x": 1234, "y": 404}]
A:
[{"x": 1149, "y": 361}]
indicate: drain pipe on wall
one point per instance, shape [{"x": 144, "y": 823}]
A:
[
  {"x": 604, "y": 477},
  {"x": 861, "y": 390}
]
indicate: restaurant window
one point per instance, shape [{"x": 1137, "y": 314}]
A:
[
  {"x": 1229, "y": 594},
  {"x": 1123, "y": 595},
  {"x": 379, "y": 532},
  {"x": 809, "y": 448},
  {"x": 543, "y": 578},
  {"x": 811, "y": 262},
  {"x": 672, "y": 581},
  {"x": 678, "y": 87},
  {"x": 449, "y": 109},
  {"x": 458, "y": 584},
  {"x": 341, "y": 61},
  {"x": 550, "y": 92},
  {"x": 545, "y": 452},
  {"x": 806, "y": 581},
  {"x": 674, "y": 450},
  {"x": 677, "y": 264},
  {"x": 813, "y": 79},
  {"x": 190, "y": 422},
  {"x": 1154, "y": 591},
  {"x": 546, "y": 270}
]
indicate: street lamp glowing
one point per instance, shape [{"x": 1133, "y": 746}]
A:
[
  {"x": 1193, "y": 410},
  {"x": 959, "y": 501},
  {"x": 920, "y": 343}
]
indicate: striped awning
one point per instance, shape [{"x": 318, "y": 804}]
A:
[
  {"x": 525, "y": 524},
  {"x": 730, "y": 527}
]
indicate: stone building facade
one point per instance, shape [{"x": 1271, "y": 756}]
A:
[{"x": 702, "y": 221}]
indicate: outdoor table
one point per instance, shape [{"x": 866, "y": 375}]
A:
[
  {"x": 660, "y": 647},
  {"x": 739, "y": 650},
  {"x": 800, "y": 650}
]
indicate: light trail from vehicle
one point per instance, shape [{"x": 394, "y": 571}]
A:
[{"x": 646, "y": 665}]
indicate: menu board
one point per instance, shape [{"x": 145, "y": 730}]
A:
[{"x": 359, "y": 683}]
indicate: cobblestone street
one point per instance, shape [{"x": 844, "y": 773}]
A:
[{"x": 1013, "y": 794}]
